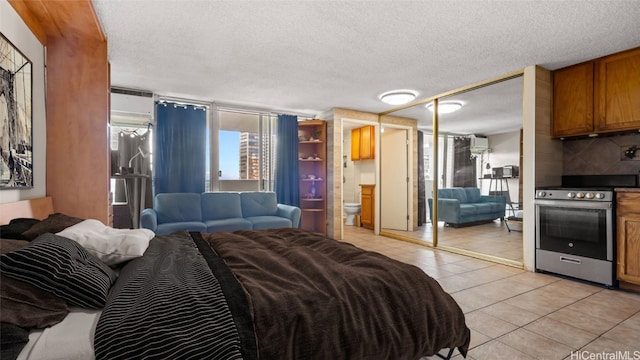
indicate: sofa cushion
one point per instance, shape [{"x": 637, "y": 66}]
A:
[
  {"x": 497, "y": 207},
  {"x": 168, "y": 228},
  {"x": 220, "y": 205},
  {"x": 231, "y": 224},
  {"x": 453, "y": 193},
  {"x": 269, "y": 222},
  {"x": 467, "y": 209},
  {"x": 259, "y": 203},
  {"x": 473, "y": 194},
  {"x": 484, "y": 208},
  {"x": 178, "y": 207}
]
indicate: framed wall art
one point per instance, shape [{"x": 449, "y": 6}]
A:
[{"x": 16, "y": 117}]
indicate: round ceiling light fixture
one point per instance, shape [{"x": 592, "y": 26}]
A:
[
  {"x": 398, "y": 97},
  {"x": 446, "y": 107}
]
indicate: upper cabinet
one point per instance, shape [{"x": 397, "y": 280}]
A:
[
  {"x": 617, "y": 92},
  {"x": 597, "y": 96},
  {"x": 363, "y": 143},
  {"x": 573, "y": 100}
]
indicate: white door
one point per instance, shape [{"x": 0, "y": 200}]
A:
[{"x": 394, "y": 175}]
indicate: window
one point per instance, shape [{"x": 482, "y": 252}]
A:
[
  {"x": 244, "y": 150},
  {"x": 230, "y": 155}
]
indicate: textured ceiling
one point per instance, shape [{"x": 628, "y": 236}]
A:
[{"x": 311, "y": 56}]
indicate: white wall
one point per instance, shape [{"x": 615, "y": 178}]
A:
[
  {"x": 505, "y": 150},
  {"x": 367, "y": 171},
  {"x": 15, "y": 30}
]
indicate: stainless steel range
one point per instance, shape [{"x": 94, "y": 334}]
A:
[{"x": 575, "y": 227}]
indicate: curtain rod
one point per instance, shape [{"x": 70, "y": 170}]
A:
[
  {"x": 184, "y": 101},
  {"x": 240, "y": 110},
  {"x": 239, "y": 107},
  {"x": 228, "y": 106}
]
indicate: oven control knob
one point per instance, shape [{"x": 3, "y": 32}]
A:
[
  {"x": 571, "y": 195},
  {"x": 599, "y": 196},
  {"x": 580, "y": 195},
  {"x": 542, "y": 194},
  {"x": 589, "y": 195}
]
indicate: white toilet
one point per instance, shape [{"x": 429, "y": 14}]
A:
[{"x": 352, "y": 209}]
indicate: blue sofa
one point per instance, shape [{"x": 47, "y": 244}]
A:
[
  {"x": 218, "y": 211},
  {"x": 460, "y": 206}
]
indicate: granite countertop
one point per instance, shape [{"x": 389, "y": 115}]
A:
[{"x": 630, "y": 190}]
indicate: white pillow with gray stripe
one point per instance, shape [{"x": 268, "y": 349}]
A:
[{"x": 62, "y": 267}]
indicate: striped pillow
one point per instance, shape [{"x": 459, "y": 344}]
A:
[{"x": 62, "y": 267}]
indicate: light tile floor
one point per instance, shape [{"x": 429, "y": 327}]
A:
[
  {"x": 492, "y": 238},
  {"x": 517, "y": 314}
]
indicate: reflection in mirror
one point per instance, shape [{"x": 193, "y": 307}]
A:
[{"x": 478, "y": 154}]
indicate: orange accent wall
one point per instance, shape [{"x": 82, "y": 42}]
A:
[{"x": 77, "y": 71}]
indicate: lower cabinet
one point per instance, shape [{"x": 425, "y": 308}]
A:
[
  {"x": 367, "y": 206},
  {"x": 628, "y": 229}
]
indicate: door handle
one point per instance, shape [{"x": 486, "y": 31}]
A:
[{"x": 570, "y": 260}]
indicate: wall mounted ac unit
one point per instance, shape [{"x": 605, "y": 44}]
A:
[
  {"x": 131, "y": 106},
  {"x": 479, "y": 144}
]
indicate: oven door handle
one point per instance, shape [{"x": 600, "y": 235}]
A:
[
  {"x": 576, "y": 204},
  {"x": 570, "y": 260}
]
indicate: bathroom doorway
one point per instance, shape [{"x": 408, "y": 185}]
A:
[{"x": 356, "y": 173}]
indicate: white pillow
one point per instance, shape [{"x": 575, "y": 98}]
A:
[{"x": 112, "y": 246}]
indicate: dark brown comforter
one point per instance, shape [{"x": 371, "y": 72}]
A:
[{"x": 318, "y": 298}]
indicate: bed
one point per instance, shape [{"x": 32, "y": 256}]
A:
[{"x": 265, "y": 294}]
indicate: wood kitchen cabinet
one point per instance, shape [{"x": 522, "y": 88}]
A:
[
  {"x": 573, "y": 100},
  {"x": 312, "y": 161},
  {"x": 628, "y": 233},
  {"x": 598, "y": 96},
  {"x": 617, "y": 92},
  {"x": 367, "y": 206},
  {"x": 363, "y": 143}
]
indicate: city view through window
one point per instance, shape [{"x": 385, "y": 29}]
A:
[
  {"x": 245, "y": 151},
  {"x": 239, "y": 155}
]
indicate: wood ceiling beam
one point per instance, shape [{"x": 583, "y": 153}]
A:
[{"x": 57, "y": 18}]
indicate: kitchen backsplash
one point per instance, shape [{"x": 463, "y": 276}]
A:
[{"x": 602, "y": 155}]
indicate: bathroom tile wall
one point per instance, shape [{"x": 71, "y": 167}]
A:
[{"x": 602, "y": 155}]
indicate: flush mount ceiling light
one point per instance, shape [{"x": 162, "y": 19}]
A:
[
  {"x": 446, "y": 107},
  {"x": 397, "y": 97}
]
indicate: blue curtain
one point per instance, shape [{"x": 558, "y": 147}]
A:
[
  {"x": 286, "y": 178},
  {"x": 180, "y": 145}
]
